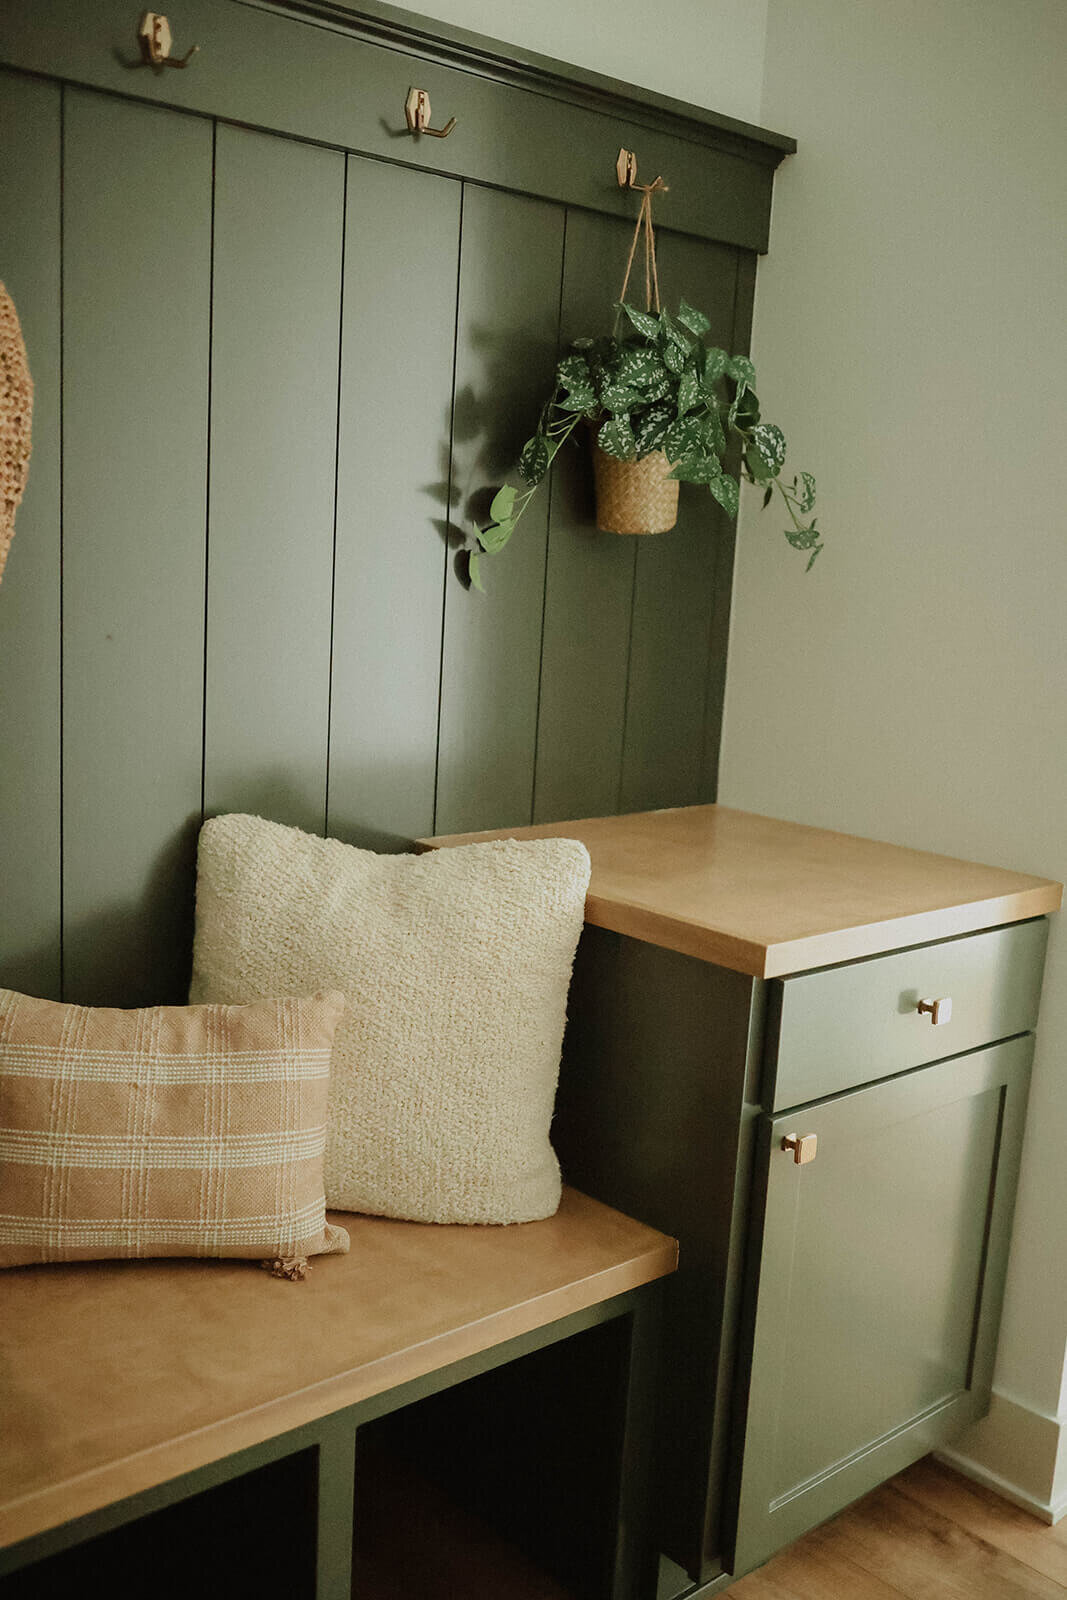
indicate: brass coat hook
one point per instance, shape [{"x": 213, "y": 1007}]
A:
[
  {"x": 626, "y": 172},
  {"x": 417, "y": 111},
  {"x": 155, "y": 38}
]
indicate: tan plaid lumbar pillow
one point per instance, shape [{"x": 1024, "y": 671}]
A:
[{"x": 169, "y": 1131}]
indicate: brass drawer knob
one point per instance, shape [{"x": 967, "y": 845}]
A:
[
  {"x": 939, "y": 1011},
  {"x": 803, "y": 1146}
]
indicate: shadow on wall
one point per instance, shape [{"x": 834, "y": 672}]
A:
[
  {"x": 138, "y": 952},
  {"x": 490, "y": 425}
]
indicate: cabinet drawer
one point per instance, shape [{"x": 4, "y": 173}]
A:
[{"x": 843, "y": 1026}]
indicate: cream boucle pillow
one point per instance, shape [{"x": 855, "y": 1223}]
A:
[{"x": 455, "y": 966}]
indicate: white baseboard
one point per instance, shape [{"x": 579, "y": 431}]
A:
[{"x": 1019, "y": 1454}]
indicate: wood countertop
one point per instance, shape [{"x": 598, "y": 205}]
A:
[
  {"x": 768, "y": 898},
  {"x": 116, "y": 1376}
]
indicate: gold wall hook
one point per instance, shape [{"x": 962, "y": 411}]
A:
[
  {"x": 417, "y": 111},
  {"x": 626, "y": 172},
  {"x": 155, "y": 39}
]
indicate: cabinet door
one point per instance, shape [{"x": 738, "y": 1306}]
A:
[{"x": 881, "y": 1264}]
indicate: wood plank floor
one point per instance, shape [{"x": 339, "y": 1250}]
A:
[{"x": 926, "y": 1535}]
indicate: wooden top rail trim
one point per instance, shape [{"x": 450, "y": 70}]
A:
[
  {"x": 768, "y": 898},
  {"x": 117, "y": 1376}
]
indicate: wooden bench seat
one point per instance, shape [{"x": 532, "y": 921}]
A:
[{"x": 125, "y": 1386}]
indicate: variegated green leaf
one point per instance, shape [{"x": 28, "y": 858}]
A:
[
  {"x": 804, "y": 488},
  {"x": 578, "y": 400},
  {"x": 744, "y": 410},
  {"x": 683, "y": 438},
  {"x": 689, "y": 393},
  {"x": 770, "y": 442},
  {"x": 741, "y": 370},
  {"x": 616, "y": 439},
  {"x": 573, "y": 372},
  {"x": 640, "y": 367},
  {"x": 533, "y": 463},
  {"x": 620, "y": 398},
  {"x": 651, "y": 430},
  {"x": 643, "y": 321},
  {"x": 672, "y": 333},
  {"x": 725, "y": 490},
  {"x": 474, "y": 568},
  {"x": 715, "y": 363},
  {"x": 696, "y": 469},
  {"x": 503, "y": 503},
  {"x": 673, "y": 358},
  {"x": 694, "y": 320}
]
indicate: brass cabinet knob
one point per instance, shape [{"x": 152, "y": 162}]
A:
[
  {"x": 803, "y": 1146},
  {"x": 939, "y": 1011}
]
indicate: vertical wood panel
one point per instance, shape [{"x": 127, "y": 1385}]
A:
[
  {"x": 677, "y": 582},
  {"x": 401, "y": 259},
  {"x": 137, "y": 239},
  {"x": 29, "y": 594},
  {"x": 726, "y": 544},
  {"x": 590, "y": 575},
  {"x": 511, "y": 260},
  {"x": 276, "y": 321}
]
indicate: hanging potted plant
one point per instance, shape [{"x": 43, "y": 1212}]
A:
[{"x": 661, "y": 407}]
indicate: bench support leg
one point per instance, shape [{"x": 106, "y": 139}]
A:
[
  {"x": 336, "y": 1494},
  {"x": 636, "y": 1559}
]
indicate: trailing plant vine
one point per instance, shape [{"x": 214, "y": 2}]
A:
[{"x": 660, "y": 387}]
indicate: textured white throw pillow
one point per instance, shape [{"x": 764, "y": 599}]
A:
[{"x": 455, "y": 966}]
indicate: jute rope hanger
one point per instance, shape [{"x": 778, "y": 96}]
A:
[
  {"x": 644, "y": 224},
  {"x": 16, "y": 412}
]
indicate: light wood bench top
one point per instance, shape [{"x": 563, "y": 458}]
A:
[
  {"x": 117, "y": 1376},
  {"x": 766, "y": 897}
]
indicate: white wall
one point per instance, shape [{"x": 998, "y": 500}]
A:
[
  {"x": 709, "y": 52},
  {"x": 909, "y": 337}
]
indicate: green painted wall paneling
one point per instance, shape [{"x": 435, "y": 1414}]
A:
[
  {"x": 507, "y": 329},
  {"x": 726, "y": 550},
  {"x": 559, "y": 145},
  {"x": 276, "y": 310},
  {"x": 880, "y": 1279},
  {"x": 288, "y": 373},
  {"x": 676, "y": 581},
  {"x": 401, "y": 264},
  {"x": 590, "y": 577},
  {"x": 136, "y": 303},
  {"x": 29, "y": 596}
]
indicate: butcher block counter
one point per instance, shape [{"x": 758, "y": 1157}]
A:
[{"x": 806, "y": 1056}]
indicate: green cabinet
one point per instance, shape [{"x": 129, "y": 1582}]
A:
[
  {"x": 835, "y": 1318},
  {"x": 878, "y": 1271}
]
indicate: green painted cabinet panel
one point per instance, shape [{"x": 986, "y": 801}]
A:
[
  {"x": 881, "y": 1265},
  {"x": 276, "y": 318},
  {"x": 676, "y": 582},
  {"x": 508, "y": 321},
  {"x": 831, "y": 1029},
  {"x": 136, "y": 308},
  {"x": 29, "y": 596},
  {"x": 392, "y": 501},
  {"x": 590, "y": 577}
]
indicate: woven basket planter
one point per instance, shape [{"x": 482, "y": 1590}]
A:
[
  {"x": 634, "y": 496},
  {"x": 16, "y": 410}
]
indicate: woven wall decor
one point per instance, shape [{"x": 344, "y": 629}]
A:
[{"x": 16, "y": 413}]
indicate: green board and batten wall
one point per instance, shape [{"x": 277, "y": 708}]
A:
[{"x": 280, "y": 348}]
